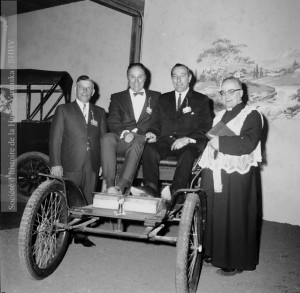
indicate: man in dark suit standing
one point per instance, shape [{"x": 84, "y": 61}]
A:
[
  {"x": 75, "y": 135},
  {"x": 128, "y": 120},
  {"x": 179, "y": 122}
]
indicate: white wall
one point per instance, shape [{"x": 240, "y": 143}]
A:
[
  {"x": 81, "y": 38},
  {"x": 178, "y": 30},
  {"x": 87, "y": 38}
]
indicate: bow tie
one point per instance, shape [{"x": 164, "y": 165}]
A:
[{"x": 139, "y": 93}]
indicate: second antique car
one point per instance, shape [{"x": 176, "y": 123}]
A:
[{"x": 43, "y": 91}]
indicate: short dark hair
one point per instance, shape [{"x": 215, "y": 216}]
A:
[
  {"x": 238, "y": 81},
  {"x": 84, "y": 77},
  {"x": 181, "y": 65},
  {"x": 140, "y": 65}
]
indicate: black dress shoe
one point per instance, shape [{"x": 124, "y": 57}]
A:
[
  {"x": 150, "y": 191},
  {"x": 84, "y": 240},
  {"x": 228, "y": 272}
]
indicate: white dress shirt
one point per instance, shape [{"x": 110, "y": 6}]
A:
[
  {"x": 183, "y": 94},
  {"x": 138, "y": 102},
  {"x": 80, "y": 104}
]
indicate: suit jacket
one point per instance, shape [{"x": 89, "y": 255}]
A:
[
  {"x": 121, "y": 115},
  {"x": 70, "y": 136},
  {"x": 166, "y": 121}
]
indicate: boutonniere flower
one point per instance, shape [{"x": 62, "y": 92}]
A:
[
  {"x": 148, "y": 109},
  {"x": 187, "y": 108},
  {"x": 93, "y": 121}
]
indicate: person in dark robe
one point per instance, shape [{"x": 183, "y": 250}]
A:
[{"x": 231, "y": 179}]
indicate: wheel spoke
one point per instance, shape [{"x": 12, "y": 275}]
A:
[
  {"x": 29, "y": 187},
  {"x": 46, "y": 242},
  {"x": 194, "y": 245},
  {"x": 23, "y": 182},
  {"x": 22, "y": 173},
  {"x": 28, "y": 174},
  {"x": 31, "y": 165}
]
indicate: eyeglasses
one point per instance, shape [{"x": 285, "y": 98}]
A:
[
  {"x": 83, "y": 88},
  {"x": 229, "y": 92}
]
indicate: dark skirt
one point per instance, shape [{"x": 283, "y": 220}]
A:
[{"x": 233, "y": 219}]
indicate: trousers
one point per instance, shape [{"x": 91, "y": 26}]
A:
[
  {"x": 85, "y": 178},
  {"x": 111, "y": 147},
  {"x": 154, "y": 152}
]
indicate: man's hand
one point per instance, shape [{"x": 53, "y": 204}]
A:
[
  {"x": 128, "y": 137},
  {"x": 151, "y": 137},
  {"x": 179, "y": 143},
  {"x": 57, "y": 171}
]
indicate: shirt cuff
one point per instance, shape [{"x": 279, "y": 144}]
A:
[
  {"x": 191, "y": 140},
  {"x": 123, "y": 133}
]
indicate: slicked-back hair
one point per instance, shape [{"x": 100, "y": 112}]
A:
[
  {"x": 238, "y": 81},
  {"x": 181, "y": 65},
  {"x": 140, "y": 65},
  {"x": 84, "y": 77}
]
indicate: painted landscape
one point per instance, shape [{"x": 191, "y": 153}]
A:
[{"x": 273, "y": 86}]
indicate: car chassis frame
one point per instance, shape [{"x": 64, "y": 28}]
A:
[{"x": 58, "y": 207}]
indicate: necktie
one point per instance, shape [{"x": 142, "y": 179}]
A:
[
  {"x": 84, "y": 112},
  {"x": 139, "y": 93},
  {"x": 179, "y": 102}
]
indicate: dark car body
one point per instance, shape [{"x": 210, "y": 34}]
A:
[{"x": 43, "y": 91}]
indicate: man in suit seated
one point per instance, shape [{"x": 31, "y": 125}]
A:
[
  {"x": 128, "y": 119},
  {"x": 179, "y": 122},
  {"x": 74, "y": 142}
]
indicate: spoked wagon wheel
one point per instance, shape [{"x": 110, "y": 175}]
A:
[
  {"x": 189, "y": 246},
  {"x": 42, "y": 244},
  {"x": 29, "y": 165}
]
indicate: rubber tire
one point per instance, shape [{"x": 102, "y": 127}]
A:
[
  {"x": 191, "y": 217},
  {"x": 29, "y": 236},
  {"x": 28, "y": 166}
]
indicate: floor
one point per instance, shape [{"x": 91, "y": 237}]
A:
[{"x": 116, "y": 265}]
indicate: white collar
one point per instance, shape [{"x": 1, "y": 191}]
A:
[
  {"x": 141, "y": 91},
  {"x": 183, "y": 94},
  {"x": 80, "y": 104}
]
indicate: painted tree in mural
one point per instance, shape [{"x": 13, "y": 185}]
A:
[{"x": 221, "y": 58}]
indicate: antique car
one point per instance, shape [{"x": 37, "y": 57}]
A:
[
  {"x": 58, "y": 208},
  {"x": 37, "y": 93}
]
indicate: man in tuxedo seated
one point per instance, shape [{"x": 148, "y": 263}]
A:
[
  {"x": 179, "y": 122},
  {"x": 128, "y": 120}
]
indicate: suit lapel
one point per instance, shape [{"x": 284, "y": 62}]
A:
[
  {"x": 173, "y": 105},
  {"x": 78, "y": 111},
  {"x": 91, "y": 114},
  {"x": 128, "y": 103},
  {"x": 147, "y": 104},
  {"x": 184, "y": 103}
]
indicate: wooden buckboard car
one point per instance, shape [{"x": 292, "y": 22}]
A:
[
  {"x": 38, "y": 92},
  {"x": 58, "y": 207}
]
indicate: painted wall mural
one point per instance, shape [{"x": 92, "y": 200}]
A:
[{"x": 273, "y": 85}]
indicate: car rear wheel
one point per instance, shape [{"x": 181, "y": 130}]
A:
[{"x": 29, "y": 165}]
